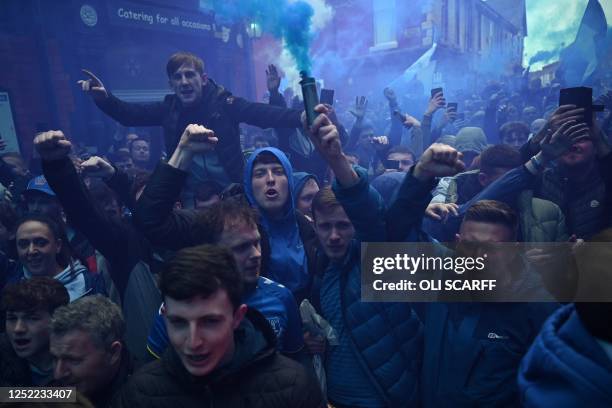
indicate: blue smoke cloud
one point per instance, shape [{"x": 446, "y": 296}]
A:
[{"x": 289, "y": 21}]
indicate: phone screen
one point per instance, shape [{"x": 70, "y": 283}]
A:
[
  {"x": 327, "y": 96},
  {"x": 392, "y": 164},
  {"x": 435, "y": 91}
]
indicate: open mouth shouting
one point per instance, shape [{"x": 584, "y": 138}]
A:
[
  {"x": 197, "y": 360},
  {"x": 21, "y": 344},
  {"x": 187, "y": 93},
  {"x": 272, "y": 194}
]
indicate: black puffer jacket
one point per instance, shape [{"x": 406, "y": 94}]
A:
[
  {"x": 14, "y": 371},
  {"x": 219, "y": 110},
  {"x": 257, "y": 376}
]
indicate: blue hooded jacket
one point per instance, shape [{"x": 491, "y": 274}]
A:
[
  {"x": 565, "y": 366},
  {"x": 299, "y": 181},
  {"x": 288, "y": 263}
]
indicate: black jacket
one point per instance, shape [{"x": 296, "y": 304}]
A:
[
  {"x": 118, "y": 241},
  {"x": 218, "y": 110},
  {"x": 257, "y": 376},
  {"x": 127, "y": 250},
  {"x": 103, "y": 398},
  {"x": 14, "y": 371}
]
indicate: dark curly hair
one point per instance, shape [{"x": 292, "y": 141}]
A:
[{"x": 39, "y": 292}]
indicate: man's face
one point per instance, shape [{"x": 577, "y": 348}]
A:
[
  {"x": 335, "y": 232},
  {"x": 112, "y": 208},
  {"x": 80, "y": 362},
  {"x": 304, "y": 202},
  {"x": 485, "y": 233},
  {"x": 42, "y": 203},
  {"x": 581, "y": 152},
  {"x": 37, "y": 248},
  {"x": 512, "y": 113},
  {"x": 124, "y": 165},
  {"x": 244, "y": 241},
  {"x": 499, "y": 258},
  {"x": 405, "y": 160},
  {"x": 365, "y": 137},
  {"x": 17, "y": 166},
  {"x": 516, "y": 139},
  {"x": 140, "y": 151},
  {"x": 187, "y": 82},
  {"x": 201, "y": 330},
  {"x": 270, "y": 187},
  {"x": 28, "y": 332}
]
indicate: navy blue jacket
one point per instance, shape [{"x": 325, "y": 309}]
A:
[
  {"x": 472, "y": 351},
  {"x": 387, "y": 337},
  {"x": 565, "y": 367}
]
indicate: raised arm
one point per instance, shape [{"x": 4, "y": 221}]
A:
[
  {"x": 362, "y": 203},
  {"x": 154, "y": 214},
  {"x": 108, "y": 235},
  {"x": 128, "y": 114},
  {"x": 405, "y": 215},
  {"x": 507, "y": 188},
  {"x": 275, "y": 115}
]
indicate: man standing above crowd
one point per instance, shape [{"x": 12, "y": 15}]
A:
[{"x": 196, "y": 99}]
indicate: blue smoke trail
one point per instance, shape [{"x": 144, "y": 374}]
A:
[{"x": 290, "y": 22}]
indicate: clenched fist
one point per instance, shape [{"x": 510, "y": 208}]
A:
[
  {"x": 198, "y": 139},
  {"x": 439, "y": 160},
  {"x": 97, "y": 167},
  {"x": 52, "y": 145}
]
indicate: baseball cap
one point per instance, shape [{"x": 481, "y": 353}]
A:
[{"x": 39, "y": 183}]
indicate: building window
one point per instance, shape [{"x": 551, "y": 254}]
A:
[
  {"x": 452, "y": 22},
  {"x": 384, "y": 25},
  {"x": 458, "y": 40},
  {"x": 478, "y": 32},
  {"x": 444, "y": 13}
]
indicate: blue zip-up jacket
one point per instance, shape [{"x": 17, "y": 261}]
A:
[
  {"x": 471, "y": 350},
  {"x": 387, "y": 338},
  {"x": 565, "y": 366},
  {"x": 288, "y": 258}
]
